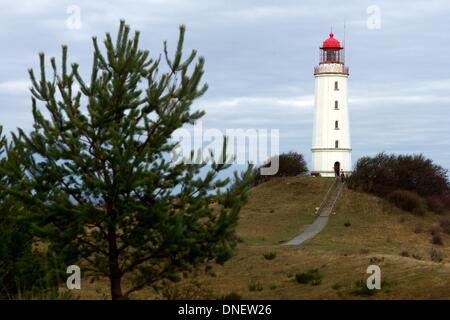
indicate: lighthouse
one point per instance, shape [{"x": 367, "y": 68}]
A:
[{"x": 331, "y": 149}]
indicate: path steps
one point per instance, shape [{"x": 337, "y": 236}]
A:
[{"x": 324, "y": 213}]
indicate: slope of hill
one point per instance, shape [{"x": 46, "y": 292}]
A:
[
  {"x": 365, "y": 230},
  {"x": 278, "y": 209}
]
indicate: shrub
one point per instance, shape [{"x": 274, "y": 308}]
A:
[
  {"x": 270, "y": 255},
  {"x": 437, "y": 239},
  {"x": 255, "y": 286},
  {"x": 313, "y": 276},
  {"x": 362, "y": 290},
  {"x": 25, "y": 271},
  {"x": 289, "y": 164},
  {"x": 404, "y": 254},
  {"x": 435, "y": 230},
  {"x": 376, "y": 260},
  {"x": 445, "y": 225},
  {"x": 446, "y": 201},
  {"x": 384, "y": 174},
  {"x": 211, "y": 273},
  {"x": 406, "y": 200},
  {"x": 336, "y": 286},
  {"x": 420, "y": 211},
  {"x": 436, "y": 255},
  {"x": 435, "y": 203},
  {"x": 231, "y": 296}
]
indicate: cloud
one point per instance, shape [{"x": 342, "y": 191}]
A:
[
  {"x": 18, "y": 87},
  {"x": 259, "y": 61},
  {"x": 234, "y": 103}
]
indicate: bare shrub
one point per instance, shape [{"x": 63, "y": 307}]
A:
[
  {"x": 436, "y": 237},
  {"x": 436, "y": 204},
  {"x": 436, "y": 255},
  {"x": 445, "y": 225},
  {"x": 406, "y": 200},
  {"x": 404, "y": 254}
]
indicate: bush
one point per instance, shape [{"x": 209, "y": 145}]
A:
[
  {"x": 290, "y": 164},
  {"x": 436, "y": 255},
  {"x": 435, "y": 230},
  {"x": 384, "y": 174},
  {"x": 445, "y": 225},
  {"x": 336, "y": 286},
  {"x": 404, "y": 254},
  {"x": 255, "y": 286},
  {"x": 313, "y": 276},
  {"x": 435, "y": 203},
  {"x": 406, "y": 200},
  {"x": 362, "y": 290},
  {"x": 231, "y": 296},
  {"x": 25, "y": 272},
  {"x": 376, "y": 260},
  {"x": 270, "y": 255},
  {"x": 437, "y": 239}
]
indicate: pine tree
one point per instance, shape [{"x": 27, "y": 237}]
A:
[
  {"x": 98, "y": 178},
  {"x": 24, "y": 272}
]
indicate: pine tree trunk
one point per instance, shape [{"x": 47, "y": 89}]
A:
[
  {"x": 116, "y": 289},
  {"x": 115, "y": 275}
]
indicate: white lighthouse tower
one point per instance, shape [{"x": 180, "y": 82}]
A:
[{"x": 331, "y": 149}]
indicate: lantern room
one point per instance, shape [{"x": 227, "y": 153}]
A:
[{"x": 331, "y": 51}]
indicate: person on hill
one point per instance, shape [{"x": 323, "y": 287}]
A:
[{"x": 342, "y": 176}]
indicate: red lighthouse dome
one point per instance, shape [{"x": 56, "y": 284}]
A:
[{"x": 331, "y": 43}]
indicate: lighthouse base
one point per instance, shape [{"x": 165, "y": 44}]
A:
[{"x": 329, "y": 162}]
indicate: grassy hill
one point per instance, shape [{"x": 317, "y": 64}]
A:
[
  {"x": 364, "y": 230},
  {"x": 280, "y": 208}
]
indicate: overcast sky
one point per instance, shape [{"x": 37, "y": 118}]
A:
[{"x": 259, "y": 62}]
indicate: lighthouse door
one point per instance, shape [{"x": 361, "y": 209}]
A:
[{"x": 337, "y": 168}]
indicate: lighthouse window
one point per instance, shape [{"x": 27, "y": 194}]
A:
[
  {"x": 336, "y": 105},
  {"x": 332, "y": 55},
  {"x": 336, "y": 87},
  {"x": 336, "y": 144},
  {"x": 336, "y": 124}
]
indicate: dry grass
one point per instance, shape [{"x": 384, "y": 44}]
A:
[
  {"x": 280, "y": 208},
  {"x": 402, "y": 278},
  {"x": 375, "y": 228}
]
